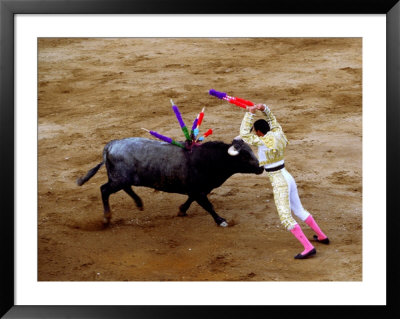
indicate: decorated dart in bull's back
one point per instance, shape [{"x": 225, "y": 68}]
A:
[
  {"x": 180, "y": 120},
  {"x": 201, "y": 138},
  {"x": 164, "y": 138},
  {"x": 197, "y": 123},
  {"x": 190, "y": 139}
]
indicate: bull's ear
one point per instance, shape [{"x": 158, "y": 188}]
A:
[
  {"x": 232, "y": 151},
  {"x": 238, "y": 143}
]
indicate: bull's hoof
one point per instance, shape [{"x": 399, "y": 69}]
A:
[
  {"x": 139, "y": 205},
  {"x": 182, "y": 214},
  {"x": 224, "y": 224},
  {"x": 221, "y": 222},
  {"x": 106, "y": 218}
]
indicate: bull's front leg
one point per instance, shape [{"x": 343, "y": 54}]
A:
[
  {"x": 185, "y": 206},
  {"x": 203, "y": 201}
]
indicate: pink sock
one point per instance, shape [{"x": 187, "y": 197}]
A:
[
  {"x": 314, "y": 226},
  {"x": 298, "y": 233}
]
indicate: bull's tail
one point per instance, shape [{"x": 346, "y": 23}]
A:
[{"x": 82, "y": 180}]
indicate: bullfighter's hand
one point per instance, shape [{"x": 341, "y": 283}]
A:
[
  {"x": 252, "y": 109},
  {"x": 260, "y": 107}
]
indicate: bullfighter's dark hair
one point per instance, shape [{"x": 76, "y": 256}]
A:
[{"x": 262, "y": 126}]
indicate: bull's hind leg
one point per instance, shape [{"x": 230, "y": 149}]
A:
[
  {"x": 134, "y": 196},
  {"x": 205, "y": 203},
  {"x": 185, "y": 206},
  {"x": 106, "y": 190}
]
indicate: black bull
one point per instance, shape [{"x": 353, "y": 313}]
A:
[{"x": 194, "y": 172}]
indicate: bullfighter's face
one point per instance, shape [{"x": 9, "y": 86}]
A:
[{"x": 259, "y": 133}]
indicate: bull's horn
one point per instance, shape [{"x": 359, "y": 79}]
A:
[
  {"x": 237, "y": 138},
  {"x": 232, "y": 151}
]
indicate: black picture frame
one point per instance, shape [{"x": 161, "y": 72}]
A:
[{"x": 8, "y": 10}]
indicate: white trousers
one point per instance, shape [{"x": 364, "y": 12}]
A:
[{"x": 287, "y": 198}]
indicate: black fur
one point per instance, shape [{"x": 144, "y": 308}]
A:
[{"x": 165, "y": 167}]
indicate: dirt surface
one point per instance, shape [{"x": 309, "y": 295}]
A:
[{"x": 91, "y": 91}]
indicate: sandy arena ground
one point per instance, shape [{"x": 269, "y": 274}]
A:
[{"x": 91, "y": 91}]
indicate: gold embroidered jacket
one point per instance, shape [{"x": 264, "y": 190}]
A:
[{"x": 271, "y": 146}]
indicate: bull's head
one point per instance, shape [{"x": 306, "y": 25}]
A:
[
  {"x": 237, "y": 144},
  {"x": 246, "y": 161}
]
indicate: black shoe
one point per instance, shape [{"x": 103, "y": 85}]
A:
[
  {"x": 322, "y": 241},
  {"x": 310, "y": 253}
]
